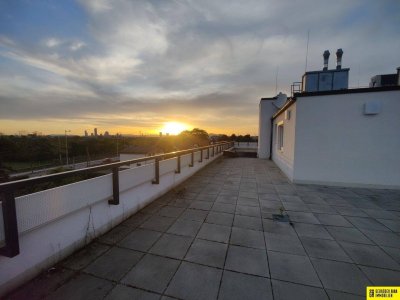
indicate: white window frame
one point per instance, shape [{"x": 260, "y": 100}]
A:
[{"x": 280, "y": 136}]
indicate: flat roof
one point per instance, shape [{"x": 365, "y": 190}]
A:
[{"x": 349, "y": 91}]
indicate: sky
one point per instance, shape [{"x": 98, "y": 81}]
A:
[{"x": 131, "y": 66}]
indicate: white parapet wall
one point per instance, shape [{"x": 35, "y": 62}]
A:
[{"x": 54, "y": 223}]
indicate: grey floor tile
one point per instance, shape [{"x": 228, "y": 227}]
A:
[
  {"x": 170, "y": 245},
  {"x": 286, "y": 290},
  {"x": 296, "y": 207},
  {"x": 248, "y": 222},
  {"x": 193, "y": 281},
  {"x": 382, "y": 277},
  {"x": 326, "y": 249},
  {"x": 201, "y": 205},
  {"x": 243, "y": 286},
  {"x": 213, "y": 232},
  {"x": 206, "y": 197},
  {"x": 369, "y": 255},
  {"x": 393, "y": 252},
  {"x": 350, "y": 211},
  {"x": 219, "y": 218},
  {"x": 158, "y": 223},
  {"x": 152, "y": 273},
  {"x": 393, "y": 225},
  {"x": 85, "y": 256},
  {"x": 248, "y": 202},
  {"x": 114, "y": 264},
  {"x": 348, "y": 234},
  {"x": 303, "y": 217},
  {"x": 140, "y": 239},
  {"x": 194, "y": 215},
  {"x": 247, "y": 260},
  {"x": 229, "y": 199},
  {"x": 312, "y": 231},
  {"x": 383, "y": 238},
  {"x": 136, "y": 220},
  {"x": 170, "y": 211},
  {"x": 207, "y": 253},
  {"x": 121, "y": 292},
  {"x": 322, "y": 209},
  {"x": 341, "y": 276},
  {"x": 83, "y": 287},
  {"x": 335, "y": 295},
  {"x": 283, "y": 228},
  {"x": 334, "y": 220},
  {"x": 284, "y": 243},
  {"x": 380, "y": 214},
  {"x": 223, "y": 207},
  {"x": 293, "y": 268},
  {"x": 250, "y": 211},
  {"x": 247, "y": 238},
  {"x": 115, "y": 235},
  {"x": 185, "y": 227},
  {"x": 367, "y": 223}
]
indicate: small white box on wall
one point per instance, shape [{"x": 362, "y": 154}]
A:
[{"x": 372, "y": 108}]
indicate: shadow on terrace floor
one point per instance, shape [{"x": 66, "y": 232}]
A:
[{"x": 214, "y": 237}]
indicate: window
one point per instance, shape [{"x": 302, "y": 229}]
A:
[
  {"x": 280, "y": 137},
  {"x": 288, "y": 114}
]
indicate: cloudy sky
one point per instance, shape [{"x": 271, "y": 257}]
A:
[{"x": 129, "y": 66}]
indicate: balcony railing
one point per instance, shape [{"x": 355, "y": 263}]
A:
[{"x": 7, "y": 190}]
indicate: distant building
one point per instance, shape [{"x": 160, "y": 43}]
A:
[
  {"x": 95, "y": 132},
  {"x": 106, "y": 133},
  {"x": 86, "y": 133},
  {"x": 328, "y": 134}
]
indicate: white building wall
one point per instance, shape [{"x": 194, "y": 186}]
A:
[
  {"x": 54, "y": 223},
  {"x": 266, "y": 111},
  {"x": 337, "y": 144},
  {"x": 284, "y": 158}
]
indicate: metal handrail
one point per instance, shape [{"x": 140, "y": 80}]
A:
[{"x": 11, "y": 247}]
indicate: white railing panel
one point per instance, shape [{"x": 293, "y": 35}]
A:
[
  {"x": 168, "y": 165},
  {"x": 133, "y": 177}
]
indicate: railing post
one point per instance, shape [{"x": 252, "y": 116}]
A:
[
  {"x": 191, "y": 159},
  {"x": 213, "y": 149},
  {"x": 178, "y": 170},
  {"x": 11, "y": 247},
  {"x": 201, "y": 156},
  {"x": 157, "y": 171},
  {"x": 208, "y": 153},
  {"x": 115, "y": 179}
]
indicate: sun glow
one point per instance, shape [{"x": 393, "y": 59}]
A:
[{"x": 174, "y": 128}]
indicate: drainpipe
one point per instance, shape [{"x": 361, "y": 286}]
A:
[{"x": 270, "y": 141}]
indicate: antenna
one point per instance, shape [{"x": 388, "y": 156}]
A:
[
  {"x": 276, "y": 80},
  {"x": 308, "y": 40}
]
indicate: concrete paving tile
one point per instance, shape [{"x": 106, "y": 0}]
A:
[
  {"x": 286, "y": 290},
  {"x": 393, "y": 225},
  {"x": 333, "y": 220},
  {"x": 380, "y": 214},
  {"x": 158, "y": 223},
  {"x": 247, "y": 260},
  {"x": 229, "y": 199},
  {"x": 213, "y": 232},
  {"x": 382, "y": 277},
  {"x": 369, "y": 255},
  {"x": 202, "y": 205},
  {"x": 312, "y": 231},
  {"x": 185, "y": 227},
  {"x": 207, "y": 253},
  {"x": 193, "y": 281},
  {"x": 206, "y": 197},
  {"x": 284, "y": 243},
  {"x": 223, "y": 207},
  {"x": 170, "y": 211},
  {"x": 170, "y": 245},
  {"x": 348, "y": 234},
  {"x": 350, "y": 211},
  {"x": 194, "y": 215},
  {"x": 248, "y": 222},
  {"x": 335, "y": 295},
  {"x": 248, "y": 201},
  {"x": 341, "y": 276},
  {"x": 83, "y": 287},
  {"x": 382, "y": 238},
  {"x": 326, "y": 249},
  {"x": 367, "y": 223},
  {"x": 322, "y": 209},
  {"x": 152, "y": 273},
  {"x": 293, "y": 268},
  {"x": 121, "y": 292},
  {"x": 115, "y": 235},
  {"x": 243, "y": 286},
  {"x": 290, "y": 206},
  {"x": 247, "y": 238},
  {"x": 220, "y": 218},
  {"x": 114, "y": 264},
  {"x": 250, "y": 211},
  {"x": 393, "y": 252},
  {"x": 85, "y": 256},
  {"x": 140, "y": 239},
  {"x": 283, "y": 228},
  {"x": 303, "y": 217},
  {"x": 248, "y": 194},
  {"x": 268, "y": 196},
  {"x": 136, "y": 220}
]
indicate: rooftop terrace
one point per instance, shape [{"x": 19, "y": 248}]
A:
[{"x": 214, "y": 237}]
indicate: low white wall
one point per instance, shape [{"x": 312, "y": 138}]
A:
[
  {"x": 284, "y": 159},
  {"x": 56, "y": 222},
  {"x": 337, "y": 144}
]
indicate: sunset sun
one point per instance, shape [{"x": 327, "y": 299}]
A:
[{"x": 173, "y": 128}]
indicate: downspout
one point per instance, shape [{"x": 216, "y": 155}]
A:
[{"x": 270, "y": 142}]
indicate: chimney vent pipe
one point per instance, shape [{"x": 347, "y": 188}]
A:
[
  {"x": 339, "y": 54},
  {"x": 326, "y": 59}
]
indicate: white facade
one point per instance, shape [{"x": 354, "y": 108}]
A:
[
  {"x": 349, "y": 138},
  {"x": 266, "y": 110}
]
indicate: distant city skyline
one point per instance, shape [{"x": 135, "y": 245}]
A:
[{"x": 132, "y": 66}]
